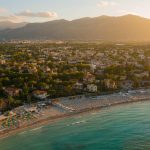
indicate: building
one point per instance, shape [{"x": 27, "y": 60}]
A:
[
  {"x": 110, "y": 84},
  {"x": 92, "y": 88},
  {"x": 89, "y": 78},
  {"x": 31, "y": 109},
  {"x": 12, "y": 91},
  {"x": 40, "y": 94},
  {"x": 78, "y": 86}
]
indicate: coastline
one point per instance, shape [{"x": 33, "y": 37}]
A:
[{"x": 49, "y": 120}]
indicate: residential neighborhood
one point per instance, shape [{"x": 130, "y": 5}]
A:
[{"x": 32, "y": 71}]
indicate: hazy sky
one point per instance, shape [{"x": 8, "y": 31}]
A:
[{"x": 45, "y": 10}]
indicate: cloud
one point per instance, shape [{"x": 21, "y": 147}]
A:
[
  {"x": 5, "y": 15},
  {"x": 3, "y": 10},
  {"x": 12, "y": 18},
  {"x": 29, "y": 13},
  {"x": 104, "y": 4}
]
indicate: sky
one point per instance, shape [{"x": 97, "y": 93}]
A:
[{"x": 47, "y": 10}]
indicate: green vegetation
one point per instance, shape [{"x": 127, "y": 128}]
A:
[{"x": 69, "y": 69}]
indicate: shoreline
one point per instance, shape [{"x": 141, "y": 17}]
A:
[{"x": 49, "y": 120}]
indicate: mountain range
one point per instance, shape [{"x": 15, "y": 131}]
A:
[
  {"x": 105, "y": 28},
  {"x": 10, "y": 25}
]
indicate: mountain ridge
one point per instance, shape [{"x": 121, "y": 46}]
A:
[
  {"x": 10, "y": 25},
  {"x": 106, "y": 28}
]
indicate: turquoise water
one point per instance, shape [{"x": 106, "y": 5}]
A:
[{"x": 124, "y": 127}]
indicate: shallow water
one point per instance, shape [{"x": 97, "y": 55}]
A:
[{"x": 124, "y": 127}]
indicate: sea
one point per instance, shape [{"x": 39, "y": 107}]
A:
[{"x": 123, "y": 127}]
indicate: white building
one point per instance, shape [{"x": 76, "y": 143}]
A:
[{"x": 92, "y": 88}]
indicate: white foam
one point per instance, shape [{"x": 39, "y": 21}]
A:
[
  {"x": 35, "y": 129},
  {"x": 78, "y": 122}
]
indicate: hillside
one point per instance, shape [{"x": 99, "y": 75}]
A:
[{"x": 10, "y": 25}]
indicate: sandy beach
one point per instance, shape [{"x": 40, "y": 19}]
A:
[{"x": 67, "y": 107}]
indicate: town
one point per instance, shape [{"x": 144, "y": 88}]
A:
[{"x": 68, "y": 76}]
